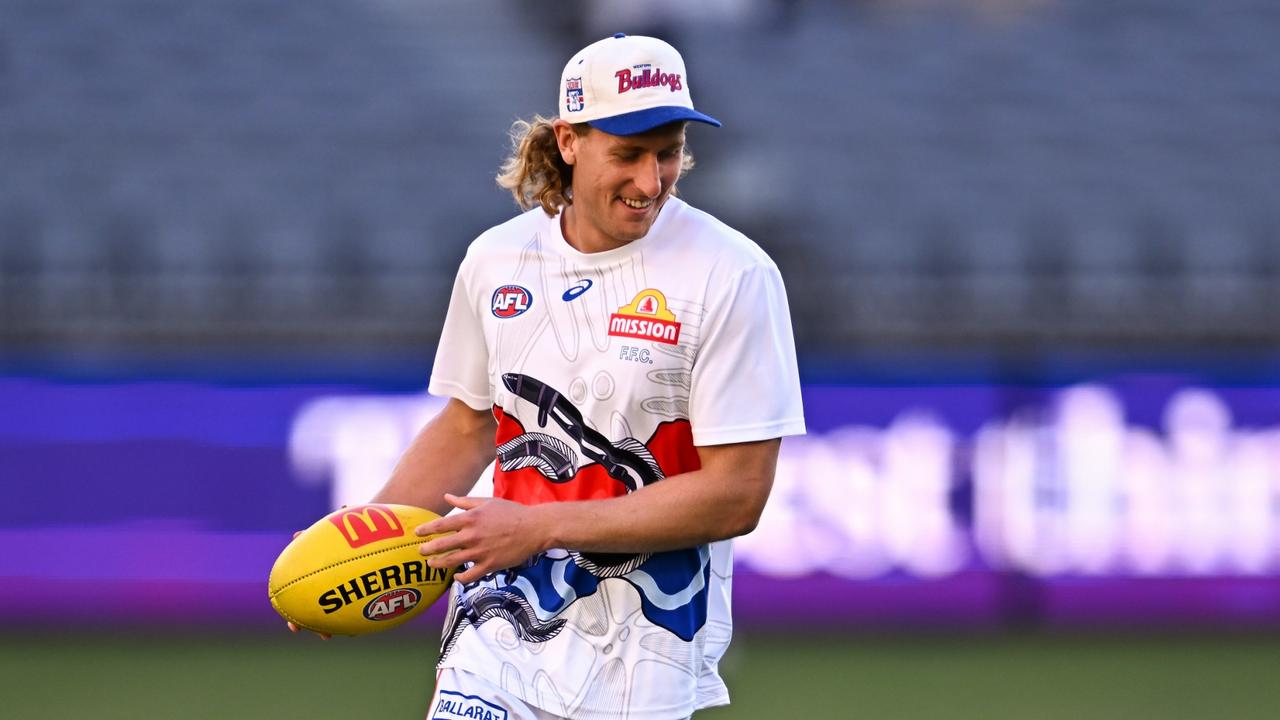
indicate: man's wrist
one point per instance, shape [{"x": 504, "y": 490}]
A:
[{"x": 547, "y": 525}]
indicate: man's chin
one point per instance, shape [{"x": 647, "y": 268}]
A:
[
  {"x": 628, "y": 235},
  {"x": 636, "y": 228}
]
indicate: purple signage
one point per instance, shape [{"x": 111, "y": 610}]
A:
[{"x": 1139, "y": 498}]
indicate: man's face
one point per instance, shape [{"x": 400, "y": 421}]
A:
[{"x": 619, "y": 182}]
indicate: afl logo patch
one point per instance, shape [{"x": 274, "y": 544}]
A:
[
  {"x": 510, "y": 301},
  {"x": 577, "y": 289},
  {"x": 392, "y": 604}
]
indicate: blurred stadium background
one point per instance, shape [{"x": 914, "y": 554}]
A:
[{"x": 1033, "y": 254}]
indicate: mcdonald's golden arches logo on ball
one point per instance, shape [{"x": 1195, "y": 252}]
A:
[{"x": 367, "y": 524}]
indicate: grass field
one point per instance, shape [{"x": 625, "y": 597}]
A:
[{"x": 903, "y": 677}]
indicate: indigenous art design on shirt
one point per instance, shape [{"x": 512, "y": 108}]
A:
[
  {"x": 605, "y": 372},
  {"x": 672, "y": 585}
]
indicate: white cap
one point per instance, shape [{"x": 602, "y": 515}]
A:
[{"x": 626, "y": 85}]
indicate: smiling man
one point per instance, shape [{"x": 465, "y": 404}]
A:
[{"x": 628, "y": 363}]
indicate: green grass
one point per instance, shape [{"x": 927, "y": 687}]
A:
[{"x": 903, "y": 677}]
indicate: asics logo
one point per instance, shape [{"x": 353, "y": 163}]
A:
[{"x": 578, "y": 288}]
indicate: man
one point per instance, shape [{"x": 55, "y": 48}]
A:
[{"x": 632, "y": 360}]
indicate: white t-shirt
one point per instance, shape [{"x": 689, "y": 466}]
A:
[{"x": 604, "y": 371}]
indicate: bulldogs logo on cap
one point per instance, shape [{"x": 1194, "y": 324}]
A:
[{"x": 643, "y": 76}]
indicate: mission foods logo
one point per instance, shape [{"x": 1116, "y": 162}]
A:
[
  {"x": 367, "y": 524},
  {"x": 646, "y": 318},
  {"x": 510, "y": 301}
]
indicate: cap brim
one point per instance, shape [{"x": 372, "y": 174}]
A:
[{"x": 634, "y": 123}]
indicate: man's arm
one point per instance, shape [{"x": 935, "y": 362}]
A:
[
  {"x": 447, "y": 456},
  {"x": 721, "y": 500}
]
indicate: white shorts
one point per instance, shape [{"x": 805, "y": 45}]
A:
[{"x": 460, "y": 695}]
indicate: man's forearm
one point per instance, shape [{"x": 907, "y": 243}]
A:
[
  {"x": 722, "y": 500},
  {"x": 675, "y": 513},
  {"x": 447, "y": 456}
]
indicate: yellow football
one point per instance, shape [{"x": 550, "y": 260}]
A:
[{"x": 357, "y": 571}]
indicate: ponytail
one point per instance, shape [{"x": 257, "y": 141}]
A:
[{"x": 535, "y": 173}]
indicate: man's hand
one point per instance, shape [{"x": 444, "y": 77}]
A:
[
  {"x": 492, "y": 533},
  {"x": 294, "y": 628}
]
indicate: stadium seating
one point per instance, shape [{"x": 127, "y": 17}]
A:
[{"x": 265, "y": 173}]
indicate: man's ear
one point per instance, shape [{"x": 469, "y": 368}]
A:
[{"x": 567, "y": 139}]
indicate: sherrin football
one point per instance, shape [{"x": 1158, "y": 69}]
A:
[{"x": 357, "y": 571}]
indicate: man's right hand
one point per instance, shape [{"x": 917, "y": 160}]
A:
[{"x": 294, "y": 628}]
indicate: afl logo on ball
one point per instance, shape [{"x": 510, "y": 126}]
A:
[
  {"x": 510, "y": 301},
  {"x": 392, "y": 604}
]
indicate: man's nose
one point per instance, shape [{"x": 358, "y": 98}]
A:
[{"x": 648, "y": 177}]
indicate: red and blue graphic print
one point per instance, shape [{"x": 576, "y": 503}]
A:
[{"x": 535, "y": 467}]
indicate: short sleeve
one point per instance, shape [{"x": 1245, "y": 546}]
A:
[
  {"x": 461, "y": 368},
  {"x": 746, "y": 386}
]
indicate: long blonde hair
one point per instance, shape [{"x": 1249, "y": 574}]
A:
[{"x": 535, "y": 172}]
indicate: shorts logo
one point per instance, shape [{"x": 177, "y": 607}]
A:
[
  {"x": 456, "y": 706},
  {"x": 573, "y": 98},
  {"x": 366, "y": 524},
  {"x": 510, "y": 301},
  {"x": 646, "y": 318},
  {"x": 392, "y": 604},
  {"x": 577, "y": 289}
]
